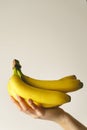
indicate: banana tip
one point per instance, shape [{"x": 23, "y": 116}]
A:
[{"x": 81, "y": 85}]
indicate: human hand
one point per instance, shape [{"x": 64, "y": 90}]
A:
[{"x": 53, "y": 114}]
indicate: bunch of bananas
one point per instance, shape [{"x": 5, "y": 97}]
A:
[{"x": 46, "y": 93}]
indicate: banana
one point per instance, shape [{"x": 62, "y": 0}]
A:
[
  {"x": 60, "y": 85},
  {"x": 43, "y": 97},
  {"x": 66, "y": 84},
  {"x": 12, "y": 93}
]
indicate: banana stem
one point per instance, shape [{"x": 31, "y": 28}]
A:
[
  {"x": 16, "y": 64},
  {"x": 17, "y": 68}
]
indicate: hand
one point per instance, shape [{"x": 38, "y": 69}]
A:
[
  {"x": 56, "y": 114},
  {"x": 35, "y": 111}
]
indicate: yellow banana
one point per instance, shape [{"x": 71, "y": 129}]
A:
[
  {"x": 66, "y": 84},
  {"x": 13, "y": 94},
  {"x": 45, "y": 98},
  {"x": 60, "y": 85}
]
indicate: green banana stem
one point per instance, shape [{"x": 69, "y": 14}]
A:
[
  {"x": 19, "y": 73},
  {"x": 14, "y": 71},
  {"x": 17, "y": 68}
]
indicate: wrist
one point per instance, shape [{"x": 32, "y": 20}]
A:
[
  {"x": 68, "y": 122},
  {"x": 60, "y": 116}
]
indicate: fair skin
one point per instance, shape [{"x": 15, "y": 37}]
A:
[{"x": 56, "y": 114}]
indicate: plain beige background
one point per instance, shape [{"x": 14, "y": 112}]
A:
[{"x": 49, "y": 37}]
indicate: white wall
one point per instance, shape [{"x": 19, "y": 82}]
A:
[{"x": 49, "y": 37}]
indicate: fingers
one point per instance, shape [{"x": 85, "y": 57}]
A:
[
  {"x": 33, "y": 105},
  {"x": 25, "y": 107},
  {"x": 38, "y": 109},
  {"x": 16, "y": 103},
  {"x": 20, "y": 103},
  {"x": 29, "y": 107}
]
